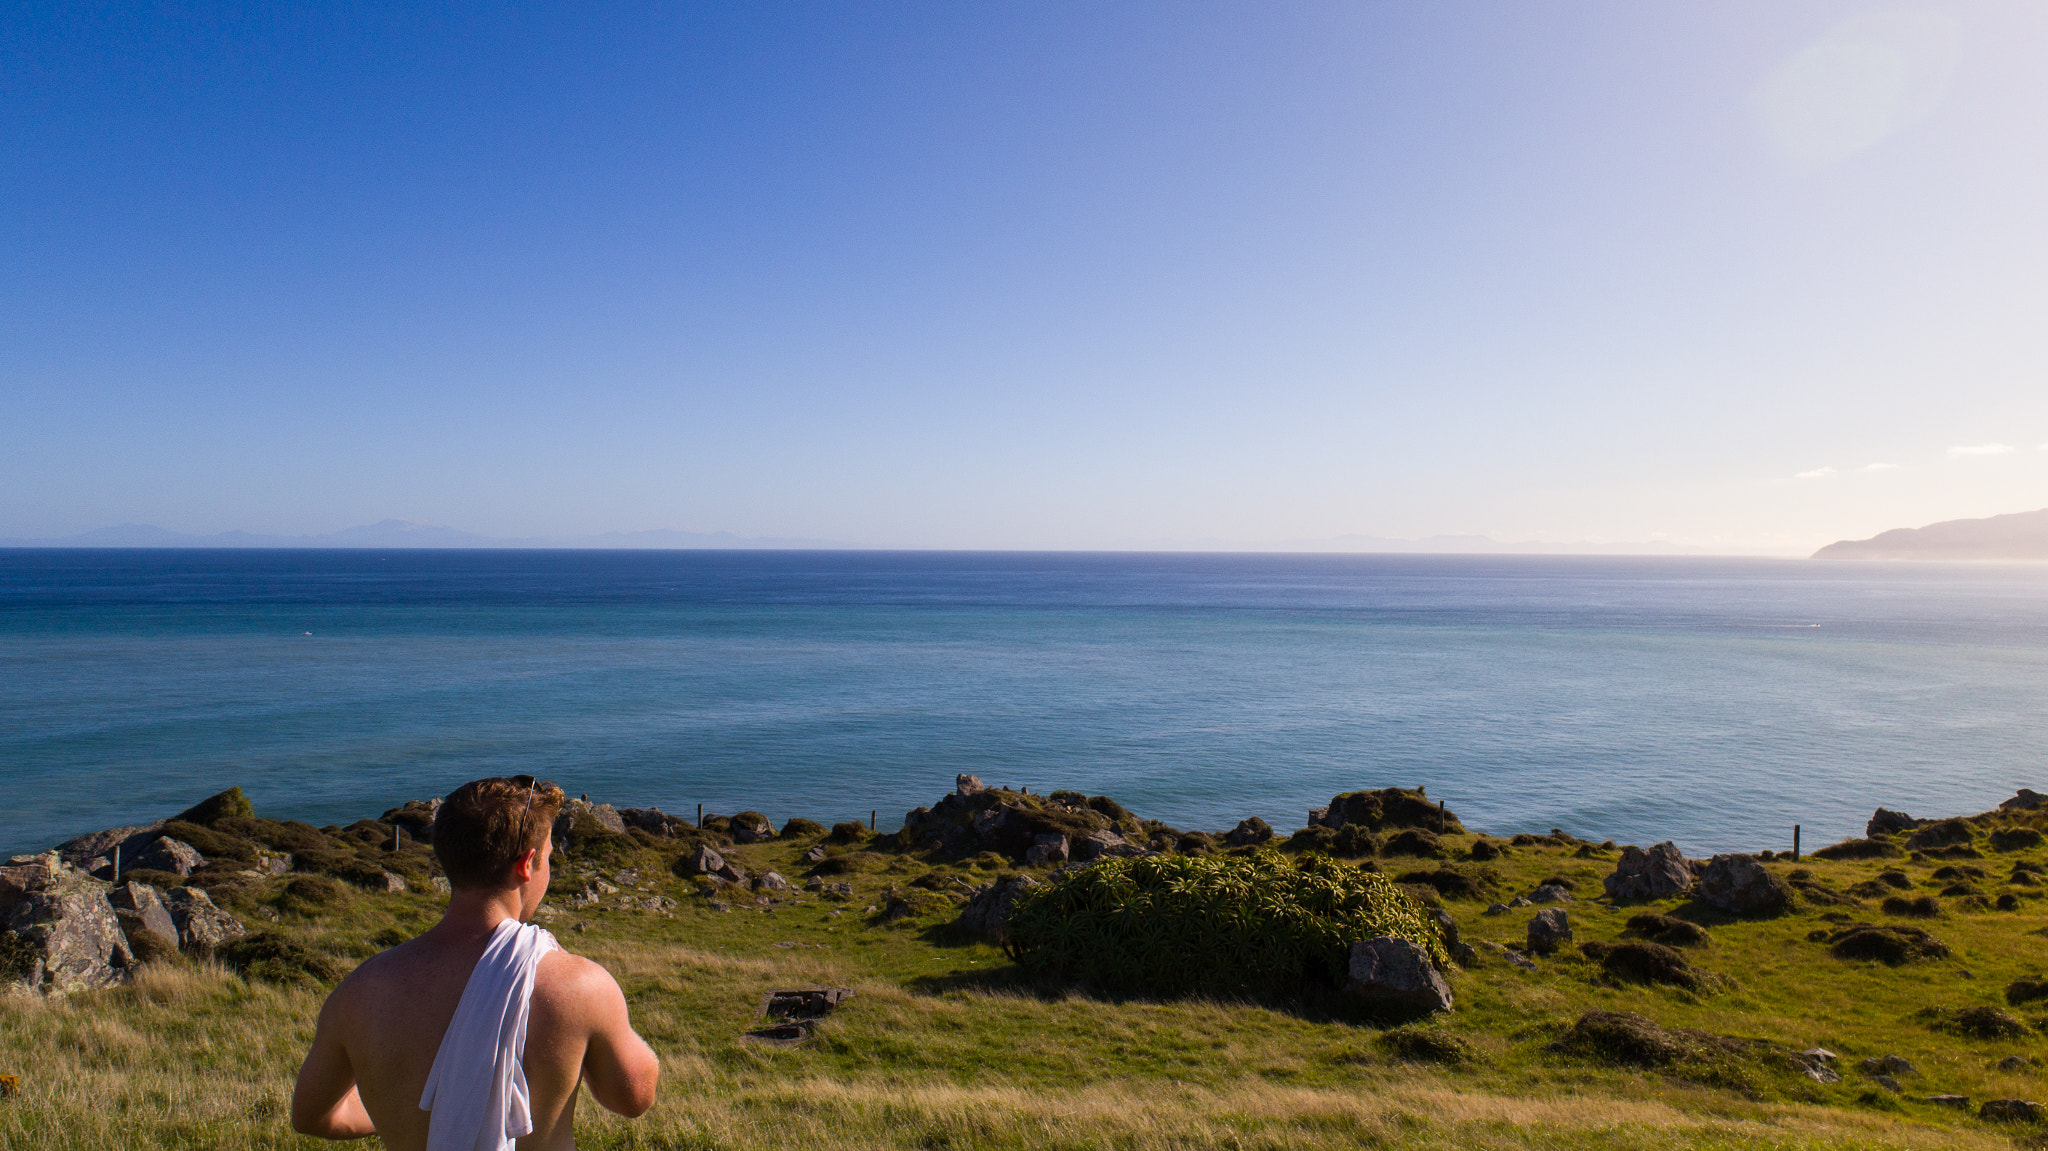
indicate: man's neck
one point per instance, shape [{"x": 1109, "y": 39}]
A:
[{"x": 474, "y": 914}]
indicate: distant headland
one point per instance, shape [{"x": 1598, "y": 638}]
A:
[{"x": 2020, "y": 536}]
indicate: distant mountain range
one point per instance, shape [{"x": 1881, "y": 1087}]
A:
[
  {"x": 2020, "y": 536},
  {"x": 405, "y": 534}
]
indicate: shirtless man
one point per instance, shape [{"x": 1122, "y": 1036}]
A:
[{"x": 380, "y": 1031}]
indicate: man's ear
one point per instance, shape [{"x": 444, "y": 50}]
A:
[{"x": 524, "y": 867}]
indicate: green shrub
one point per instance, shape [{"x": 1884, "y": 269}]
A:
[
  {"x": 852, "y": 831},
  {"x": 311, "y": 895},
  {"x": 2015, "y": 839},
  {"x": 218, "y": 807},
  {"x": 208, "y": 842},
  {"x": 289, "y": 835},
  {"x": 273, "y": 958},
  {"x": 1174, "y": 925},
  {"x": 1859, "y": 849},
  {"x": 800, "y": 828},
  {"x": 851, "y": 863}
]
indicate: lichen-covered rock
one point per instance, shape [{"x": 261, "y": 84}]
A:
[
  {"x": 166, "y": 854},
  {"x": 1396, "y": 975},
  {"x": 64, "y": 926},
  {"x": 202, "y": 927},
  {"x": 1739, "y": 885},
  {"x": 1659, "y": 873},
  {"x": 771, "y": 881},
  {"x": 965, "y": 785},
  {"x": 752, "y": 827},
  {"x": 581, "y": 819},
  {"x": 1550, "y": 929},
  {"x": 1551, "y": 893}
]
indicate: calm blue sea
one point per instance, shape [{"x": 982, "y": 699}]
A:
[{"x": 1716, "y": 702}]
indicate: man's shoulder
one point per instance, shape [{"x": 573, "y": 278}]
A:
[{"x": 563, "y": 974}]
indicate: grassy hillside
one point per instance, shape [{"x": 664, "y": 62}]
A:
[{"x": 948, "y": 1044}]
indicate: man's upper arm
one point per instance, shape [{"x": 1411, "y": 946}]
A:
[
  {"x": 618, "y": 1066},
  {"x": 324, "y": 1102}
]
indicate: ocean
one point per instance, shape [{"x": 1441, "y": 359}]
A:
[{"x": 1712, "y": 702}]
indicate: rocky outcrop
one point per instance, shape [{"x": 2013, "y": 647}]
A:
[
  {"x": 1387, "y": 807},
  {"x": 1093, "y": 845},
  {"x": 1249, "y": 832},
  {"x": 1891, "y": 823},
  {"x": 1549, "y": 930},
  {"x": 82, "y": 851},
  {"x": 66, "y": 935},
  {"x": 1739, "y": 885},
  {"x": 1396, "y": 976},
  {"x": 2027, "y": 800},
  {"x": 1659, "y": 873},
  {"x": 987, "y": 913},
  {"x": 965, "y": 785}
]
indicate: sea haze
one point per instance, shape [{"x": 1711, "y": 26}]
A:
[{"x": 1714, "y": 702}]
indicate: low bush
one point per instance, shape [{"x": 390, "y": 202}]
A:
[
  {"x": 1890, "y": 944},
  {"x": 1669, "y": 931},
  {"x": 800, "y": 828},
  {"x": 1640, "y": 962},
  {"x": 271, "y": 957},
  {"x": 2026, "y": 991},
  {"x": 311, "y": 895},
  {"x": 1415, "y": 842},
  {"x": 1484, "y": 849},
  {"x": 1229, "y": 925},
  {"x": 1977, "y": 1023},
  {"x": 1448, "y": 883},
  {"x": 1925, "y": 907},
  {"x": 1859, "y": 849},
  {"x": 851, "y": 831},
  {"x": 1424, "y": 1045},
  {"x": 851, "y": 863},
  {"x": 214, "y": 808},
  {"x": 2015, "y": 839},
  {"x": 210, "y": 843}
]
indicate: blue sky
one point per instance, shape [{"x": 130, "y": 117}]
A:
[{"x": 1743, "y": 277}]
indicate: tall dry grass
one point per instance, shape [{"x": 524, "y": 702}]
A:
[{"x": 193, "y": 1057}]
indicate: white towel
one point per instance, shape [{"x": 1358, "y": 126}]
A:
[{"x": 477, "y": 1089}]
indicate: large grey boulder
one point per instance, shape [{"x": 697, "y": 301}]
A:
[
  {"x": 1462, "y": 953},
  {"x": 1549, "y": 930},
  {"x": 1396, "y": 976},
  {"x": 202, "y": 927},
  {"x": 1739, "y": 885},
  {"x": 987, "y": 913},
  {"x": 965, "y": 785},
  {"x": 166, "y": 854},
  {"x": 1659, "y": 873},
  {"x": 771, "y": 881},
  {"x": 64, "y": 925},
  {"x": 144, "y": 920}
]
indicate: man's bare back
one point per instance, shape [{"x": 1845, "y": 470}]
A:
[{"x": 381, "y": 1029}]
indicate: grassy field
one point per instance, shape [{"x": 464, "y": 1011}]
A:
[{"x": 947, "y": 1045}]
